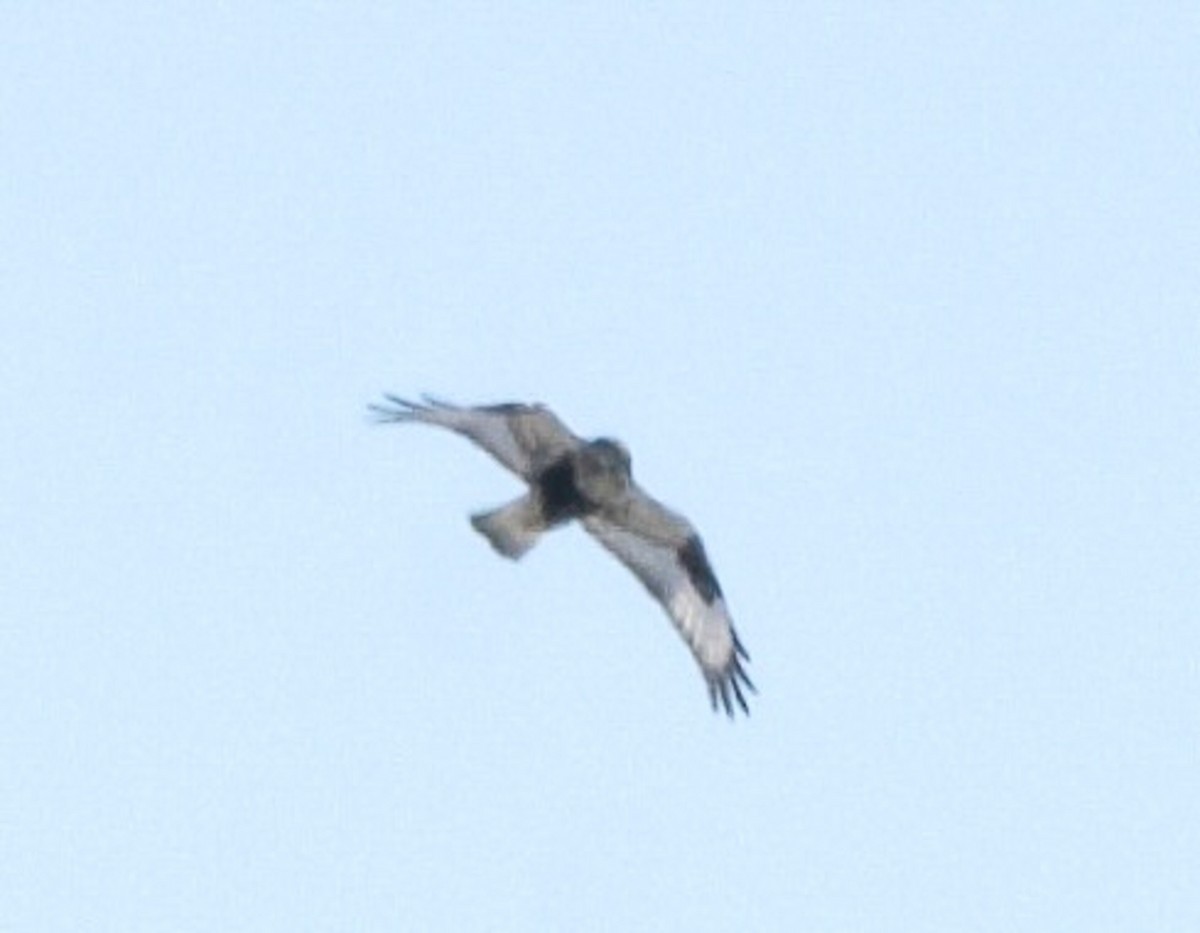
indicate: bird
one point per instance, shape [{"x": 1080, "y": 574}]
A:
[{"x": 591, "y": 481}]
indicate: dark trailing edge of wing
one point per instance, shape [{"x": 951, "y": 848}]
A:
[{"x": 506, "y": 408}]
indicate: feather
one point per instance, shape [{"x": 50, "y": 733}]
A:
[
  {"x": 697, "y": 609},
  {"x": 570, "y": 478},
  {"x": 522, "y": 437}
]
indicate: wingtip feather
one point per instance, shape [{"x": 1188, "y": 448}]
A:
[
  {"x": 737, "y": 692},
  {"x": 401, "y": 410},
  {"x": 732, "y": 679},
  {"x": 434, "y": 402},
  {"x": 723, "y": 687}
]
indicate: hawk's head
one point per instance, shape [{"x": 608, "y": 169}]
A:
[{"x": 603, "y": 471}]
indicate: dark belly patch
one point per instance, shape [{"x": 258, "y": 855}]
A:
[{"x": 557, "y": 492}]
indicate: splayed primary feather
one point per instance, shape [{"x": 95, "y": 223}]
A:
[{"x": 592, "y": 480}]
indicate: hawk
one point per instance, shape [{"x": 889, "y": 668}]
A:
[{"x": 592, "y": 481}]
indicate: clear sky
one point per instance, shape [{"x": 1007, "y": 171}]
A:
[{"x": 901, "y": 306}]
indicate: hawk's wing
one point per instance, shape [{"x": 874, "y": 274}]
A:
[
  {"x": 525, "y": 438},
  {"x": 666, "y": 554}
]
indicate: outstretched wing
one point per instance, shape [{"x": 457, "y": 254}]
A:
[
  {"x": 525, "y": 438},
  {"x": 664, "y": 551}
]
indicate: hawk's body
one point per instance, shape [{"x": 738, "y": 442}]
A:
[{"x": 570, "y": 478}]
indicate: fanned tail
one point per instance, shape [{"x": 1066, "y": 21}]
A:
[{"x": 512, "y": 529}]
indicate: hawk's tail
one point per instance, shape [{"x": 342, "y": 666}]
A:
[{"x": 511, "y": 529}]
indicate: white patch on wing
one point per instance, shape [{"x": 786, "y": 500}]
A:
[
  {"x": 659, "y": 546},
  {"x": 705, "y": 628}
]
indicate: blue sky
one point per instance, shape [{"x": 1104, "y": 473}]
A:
[{"x": 901, "y": 306}]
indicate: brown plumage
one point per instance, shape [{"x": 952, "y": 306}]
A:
[{"x": 592, "y": 481}]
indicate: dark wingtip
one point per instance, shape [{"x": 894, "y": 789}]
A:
[
  {"x": 719, "y": 688},
  {"x": 737, "y": 692},
  {"x": 734, "y": 678},
  {"x": 401, "y": 409},
  {"x": 739, "y": 673},
  {"x": 381, "y": 414}
]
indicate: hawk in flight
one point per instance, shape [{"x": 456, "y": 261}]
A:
[{"x": 572, "y": 478}]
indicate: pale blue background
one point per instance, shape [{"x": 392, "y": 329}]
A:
[{"x": 900, "y": 304}]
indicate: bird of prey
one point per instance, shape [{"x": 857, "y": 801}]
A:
[{"x": 572, "y": 478}]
